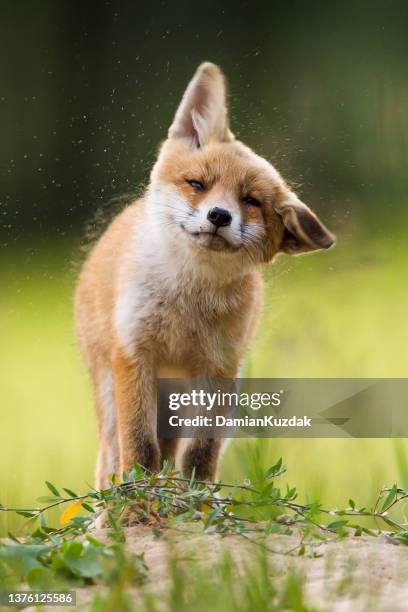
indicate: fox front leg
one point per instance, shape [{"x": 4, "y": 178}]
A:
[
  {"x": 134, "y": 380},
  {"x": 202, "y": 456}
]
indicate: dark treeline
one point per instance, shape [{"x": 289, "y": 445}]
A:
[{"x": 88, "y": 90}]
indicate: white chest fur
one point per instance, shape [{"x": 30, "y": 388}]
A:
[{"x": 168, "y": 293}]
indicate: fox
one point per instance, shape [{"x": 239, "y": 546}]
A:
[{"x": 174, "y": 286}]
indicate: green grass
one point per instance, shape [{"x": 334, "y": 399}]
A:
[
  {"x": 341, "y": 313},
  {"x": 48, "y": 429}
]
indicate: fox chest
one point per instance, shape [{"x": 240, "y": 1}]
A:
[
  {"x": 188, "y": 331},
  {"x": 181, "y": 327}
]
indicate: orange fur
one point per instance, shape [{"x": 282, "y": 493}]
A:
[{"x": 166, "y": 288}]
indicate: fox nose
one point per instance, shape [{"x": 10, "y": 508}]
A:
[{"x": 219, "y": 217}]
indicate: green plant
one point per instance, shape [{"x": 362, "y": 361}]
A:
[{"x": 70, "y": 553}]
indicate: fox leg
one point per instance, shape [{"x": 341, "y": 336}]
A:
[
  {"x": 108, "y": 453},
  {"x": 168, "y": 449},
  {"x": 202, "y": 454},
  {"x": 134, "y": 381}
]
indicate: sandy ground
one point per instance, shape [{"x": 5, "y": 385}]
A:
[{"x": 355, "y": 574}]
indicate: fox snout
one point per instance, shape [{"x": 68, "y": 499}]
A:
[{"x": 220, "y": 217}]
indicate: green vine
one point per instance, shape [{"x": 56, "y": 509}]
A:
[{"x": 73, "y": 552}]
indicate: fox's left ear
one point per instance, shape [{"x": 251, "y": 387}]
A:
[
  {"x": 202, "y": 115},
  {"x": 303, "y": 231}
]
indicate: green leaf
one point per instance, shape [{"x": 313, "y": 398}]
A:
[
  {"x": 211, "y": 518},
  {"x": 74, "y": 550},
  {"x": 88, "y": 564},
  {"x": 352, "y": 504},
  {"x": 53, "y": 489},
  {"x": 13, "y": 551},
  {"x": 43, "y": 520},
  {"x": 273, "y": 527},
  {"x": 13, "y": 537},
  {"x": 390, "y": 522},
  {"x": 266, "y": 491},
  {"x": 70, "y": 492},
  {"x": 185, "y": 516},
  {"x": 402, "y": 537},
  {"x": 368, "y": 531},
  {"x": 291, "y": 493},
  {"x": 40, "y": 534},
  {"x": 390, "y": 497},
  {"x": 88, "y": 507},
  {"x": 192, "y": 479},
  {"x": 94, "y": 542},
  {"x": 337, "y": 524},
  {"x": 39, "y": 578},
  {"x": 274, "y": 469}
]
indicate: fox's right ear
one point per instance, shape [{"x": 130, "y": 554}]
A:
[{"x": 202, "y": 115}]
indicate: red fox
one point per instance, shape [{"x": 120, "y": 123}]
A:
[{"x": 174, "y": 285}]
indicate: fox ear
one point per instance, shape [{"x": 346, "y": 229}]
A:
[
  {"x": 303, "y": 231},
  {"x": 202, "y": 115}
]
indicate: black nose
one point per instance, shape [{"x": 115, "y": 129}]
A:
[{"x": 219, "y": 217}]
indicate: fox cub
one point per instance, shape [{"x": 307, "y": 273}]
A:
[{"x": 174, "y": 287}]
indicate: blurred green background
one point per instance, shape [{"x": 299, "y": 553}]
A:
[{"x": 88, "y": 91}]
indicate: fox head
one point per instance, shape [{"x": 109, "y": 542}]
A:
[{"x": 216, "y": 196}]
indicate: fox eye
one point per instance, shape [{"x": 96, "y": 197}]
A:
[
  {"x": 196, "y": 185},
  {"x": 251, "y": 201}
]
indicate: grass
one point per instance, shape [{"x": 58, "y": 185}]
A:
[{"x": 340, "y": 313}]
